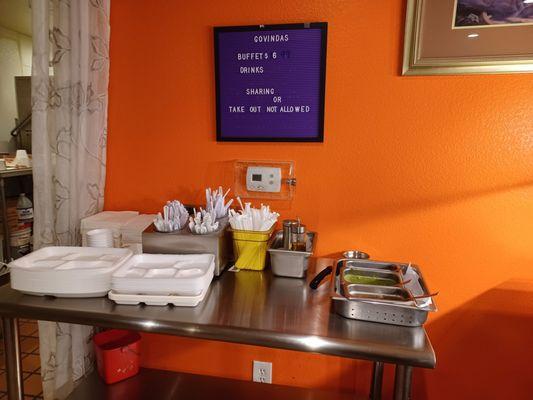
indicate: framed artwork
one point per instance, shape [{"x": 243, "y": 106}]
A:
[
  {"x": 270, "y": 82},
  {"x": 468, "y": 37}
]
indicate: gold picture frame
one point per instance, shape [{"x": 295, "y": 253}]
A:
[{"x": 415, "y": 63}]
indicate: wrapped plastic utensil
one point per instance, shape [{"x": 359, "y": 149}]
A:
[
  {"x": 203, "y": 222},
  {"x": 215, "y": 202},
  {"x": 174, "y": 217}
]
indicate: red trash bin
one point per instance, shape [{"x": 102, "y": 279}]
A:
[{"x": 117, "y": 354}]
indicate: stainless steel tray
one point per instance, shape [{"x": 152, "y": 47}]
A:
[{"x": 386, "y": 304}]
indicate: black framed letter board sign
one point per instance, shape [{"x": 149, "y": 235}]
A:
[{"x": 270, "y": 82}]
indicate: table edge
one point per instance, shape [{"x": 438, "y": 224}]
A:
[{"x": 239, "y": 335}]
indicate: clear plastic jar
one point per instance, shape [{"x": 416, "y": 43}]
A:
[{"x": 299, "y": 238}]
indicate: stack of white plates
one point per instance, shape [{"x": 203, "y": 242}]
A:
[
  {"x": 100, "y": 238},
  {"x": 67, "y": 271},
  {"x": 163, "y": 278}
]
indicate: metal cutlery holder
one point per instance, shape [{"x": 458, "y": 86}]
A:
[
  {"x": 289, "y": 263},
  {"x": 218, "y": 243},
  {"x": 390, "y": 304}
]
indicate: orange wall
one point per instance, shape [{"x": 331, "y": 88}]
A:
[{"x": 437, "y": 170}]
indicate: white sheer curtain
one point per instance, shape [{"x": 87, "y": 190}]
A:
[{"x": 69, "y": 125}]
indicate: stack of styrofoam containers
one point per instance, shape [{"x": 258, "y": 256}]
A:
[
  {"x": 113, "y": 220},
  {"x": 67, "y": 271},
  {"x": 161, "y": 279},
  {"x": 127, "y": 227}
]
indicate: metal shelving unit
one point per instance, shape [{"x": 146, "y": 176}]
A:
[
  {"x": 158, "y": 384},
  {"x": 4, "y": 175}
]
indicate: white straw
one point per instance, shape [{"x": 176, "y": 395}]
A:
[{"x": 252, "y": 219}]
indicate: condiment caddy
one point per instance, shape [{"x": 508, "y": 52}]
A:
[
  {"x": 203, "y": 232},
  {"x": 290, "y": 263},
  {"x": 251, "y": 229},
  {"x": 291, "y": 248},
  {"x": 184, "y": 241}
]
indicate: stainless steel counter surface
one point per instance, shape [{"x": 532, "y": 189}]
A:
[{"x": 244, "y": 307}]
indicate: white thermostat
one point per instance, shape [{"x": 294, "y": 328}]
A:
[{"x": 263, "y": 179}]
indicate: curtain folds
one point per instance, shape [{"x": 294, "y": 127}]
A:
[{"x": 69, "y": 132}]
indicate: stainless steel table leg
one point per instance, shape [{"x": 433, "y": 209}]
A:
[
  {"x": 12, "y": 354},
  {"x": 402, "y": 382},
  {"x": 377, "y": 381},
  {"x": 7, "y": 254}
]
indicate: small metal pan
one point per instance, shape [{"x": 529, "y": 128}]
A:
[
  {"x": 374, "y": 265},
  {"x": 372, "y": 292},
  {"x": 382, "y": 278}
]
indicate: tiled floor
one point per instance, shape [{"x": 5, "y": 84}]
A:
[{"x": 31, "y": 363}]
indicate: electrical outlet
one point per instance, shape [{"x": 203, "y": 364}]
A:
[{"x": 262, "y": 372}]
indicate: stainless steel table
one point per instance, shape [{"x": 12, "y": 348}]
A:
[
  {"x": 5, "y": 174},
  {"x": 243, "y": 307}
]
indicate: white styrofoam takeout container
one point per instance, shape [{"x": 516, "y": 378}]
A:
[
  {"x": 63, "y": 271},
  {"x": 164, "y": 274},
  {"x": 160, "y": 300}
]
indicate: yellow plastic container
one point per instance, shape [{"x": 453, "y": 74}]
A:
[{"x": 250, "y": 248}]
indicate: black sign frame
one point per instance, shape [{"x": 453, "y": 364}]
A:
[{"x": 319, "y": 137}]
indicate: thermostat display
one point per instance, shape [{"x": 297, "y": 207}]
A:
[{"x": 263, "y": 179}]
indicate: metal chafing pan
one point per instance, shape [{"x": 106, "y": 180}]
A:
[
  {"x": 289, "y": 263},
  {"x": 386, "y": 304},
  {"x": 395, "y": 278},
  {"x": 383, "y": 266},
  {"x": 374, "y": 292}
]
